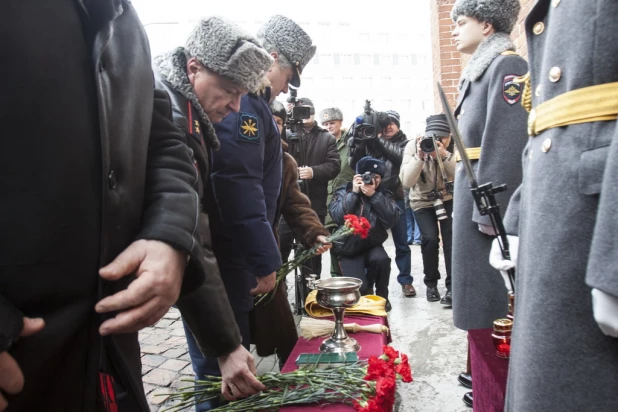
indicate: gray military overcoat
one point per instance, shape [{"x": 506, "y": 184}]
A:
[
  {"x": 492, "y": 118},
  {"x": 568, "y": 227}
]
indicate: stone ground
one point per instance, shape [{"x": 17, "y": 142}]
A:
[{"x": 421, "y": 329}]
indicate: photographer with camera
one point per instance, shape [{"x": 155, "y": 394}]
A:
[
  {"x": 315, "y": 151},
  {"x": 377, "y": 134},
  {"x": 366, "y": 259},
  {"x": 428, "y": 170}
]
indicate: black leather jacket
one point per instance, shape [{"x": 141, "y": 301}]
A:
[
  {"x": 380, "y": 210},
  {"x": 207, "y": 311},
  {"x": 390, "y": 152},
  {"x": 105, "y": 166}
]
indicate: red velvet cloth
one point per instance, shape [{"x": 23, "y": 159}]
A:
[
  {"x": 489, "y": 372},
  {"x": 371, "y": 344}
]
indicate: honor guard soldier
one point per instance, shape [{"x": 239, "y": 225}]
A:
[
  {"x": 492, "y": 123},
  {"x": 564, "y": 353}
]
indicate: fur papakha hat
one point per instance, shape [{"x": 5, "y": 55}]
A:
[
  {"x": 227, "y": 50},
  {"x": 291, "y": 41},
  {"x": 330, "y": 114},
  {"x": 502, "y": 14}
]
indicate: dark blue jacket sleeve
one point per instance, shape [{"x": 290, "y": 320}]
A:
[{"x": 238, "y": 183}]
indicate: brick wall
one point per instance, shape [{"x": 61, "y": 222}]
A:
[{"x": 447, "y": 61}]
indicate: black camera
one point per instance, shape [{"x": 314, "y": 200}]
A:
[
  {"x": 364, "y": 131},
  {"x": 368, "y": 125},
  {"x": 434, "y": 195},
  {"x": 368, "y": 178},
  {"x": 427, "y": 143},
  {"x": 301, "y": 112}
]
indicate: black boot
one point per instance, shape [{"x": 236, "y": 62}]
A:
[
  {"x": 432, "y": 294},
  {"x": 467, "y": 399},
  {"x": 447, "y": 299},
  {"x": 465, "y": 379}
]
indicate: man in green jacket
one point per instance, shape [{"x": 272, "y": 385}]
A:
[{"x": 332, "y": 119}]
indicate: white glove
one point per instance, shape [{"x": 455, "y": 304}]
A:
[
  {"x": 605, "y": 309},
  {"x": 497, "y": 261}
]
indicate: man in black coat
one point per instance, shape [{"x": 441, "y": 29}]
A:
[
  {"x": 315, "y": 151},
  {"x": 366, "y": 259},
  {"x": 389, "y": 147},
  {"x": 98, "y": 213}
]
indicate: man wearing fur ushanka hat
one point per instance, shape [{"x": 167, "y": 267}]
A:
[{"x": 493, "y": 126}]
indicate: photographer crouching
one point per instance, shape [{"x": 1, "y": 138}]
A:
[
  {"x": 428, "y": 169},
  {"x": 366, "y": 259}
]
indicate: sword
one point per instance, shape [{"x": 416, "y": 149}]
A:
[{"x": 484, "y": 195}]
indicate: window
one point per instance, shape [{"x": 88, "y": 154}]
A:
[
  {"x": 365, "y": 59},
  {"x": 413, "y": 60},
  {"x": 346, "y": 59},
  {"x": 336, "y": 59},
  {"x": 376, "y": 59},
  {"x": 395, "y": 60},
  {"x": 357, "y": 59}
]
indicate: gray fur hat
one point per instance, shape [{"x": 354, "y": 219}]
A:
[
  {"x": 502, "y": 14},
  {"x": 330, "y": 114},
  {"x": 227, "y": 50},
  {"x": 291, "y": 41}
]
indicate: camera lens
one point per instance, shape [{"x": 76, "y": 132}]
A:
[{"x": 427, "y": 144}]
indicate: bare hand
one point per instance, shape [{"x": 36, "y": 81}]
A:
[
  {"x": 369, "y": 190},
  {"x": 441, "y": 150},
  {"x": 11, "y": 377},
  {"x": 264, "y": 284},
  {"x": 325, "y": 245},
  {"x": 238, "y": 375},
  {"x": 357, "y": 183},
  {"x": 305, "y": 172},
  {"x": 159, "y": 269},
  {"x": 419, "y": 151}
]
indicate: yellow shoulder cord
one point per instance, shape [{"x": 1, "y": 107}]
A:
[{"x": 526, "y": 100}]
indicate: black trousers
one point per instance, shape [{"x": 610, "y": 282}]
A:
[
  {"x": 373, "y": 268},
  {"x": 286, "y": 238},
  {"x": 430, "y": 242}
]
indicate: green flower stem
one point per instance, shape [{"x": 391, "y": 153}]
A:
[{"x": 290, "y": 265}]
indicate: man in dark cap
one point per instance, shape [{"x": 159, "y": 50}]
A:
[
  {"x": 432, "y": 199},
  {"x": 389, "y": 148},
  {"x": 206, "y": 80},
  {"x": 315, "y": 151},
  {"x": 493, "y": 126},
  {"x": 366, "y": 259},
  {"x": 245, "y": 180}
]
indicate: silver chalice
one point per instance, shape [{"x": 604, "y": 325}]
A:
[{"x": 337, "y": 294}]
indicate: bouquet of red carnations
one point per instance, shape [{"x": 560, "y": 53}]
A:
[
  {"x": 369, "y": 387},
  {"x": 353, "y": 225}
]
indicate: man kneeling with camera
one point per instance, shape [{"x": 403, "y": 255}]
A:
[
  {"x": 366, "y": 259},
  {"x": 428, "y": 169}
]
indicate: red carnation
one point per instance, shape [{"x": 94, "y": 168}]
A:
[
  {"x": 404, "y": 369},
  {"x": 391, "y": 353},
  {"x": 378, "y": 368},
  {"x": 385, "y": 393}
]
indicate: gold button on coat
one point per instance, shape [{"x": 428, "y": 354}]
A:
[
  {"x": 538, "y": 28},
  {"x": 546, "y": 145},
  {"x": 555, "y": 73},
  {"x": 555, "y": 3},
  {"x": 537, "y": 91}
]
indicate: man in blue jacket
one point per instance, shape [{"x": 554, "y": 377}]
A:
[{"x": 246, "y": 178}]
